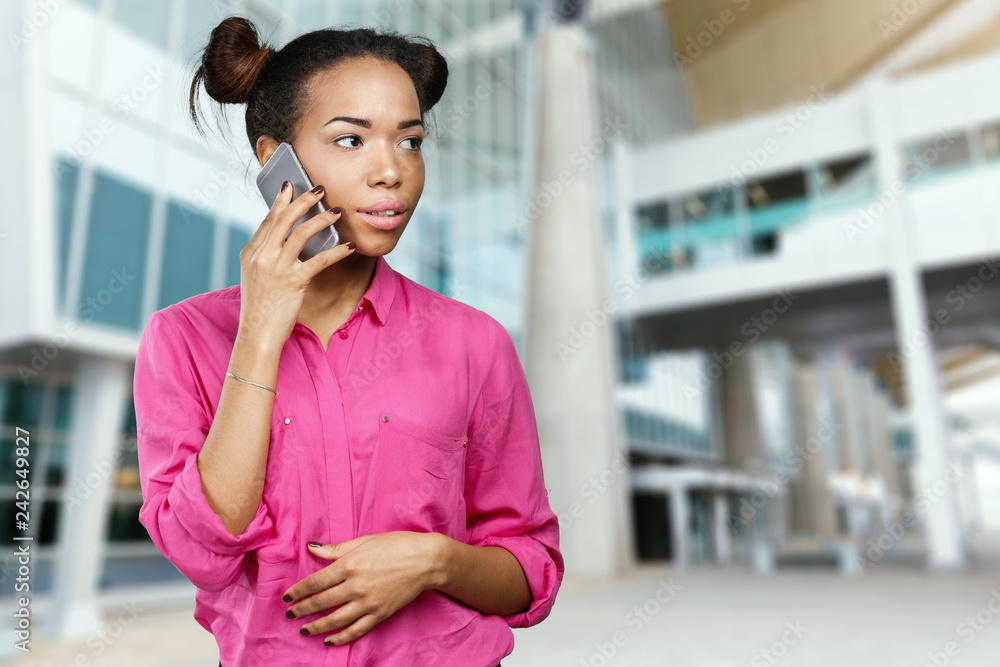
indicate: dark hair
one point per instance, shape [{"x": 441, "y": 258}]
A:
[{"x": 237, "y": 68}]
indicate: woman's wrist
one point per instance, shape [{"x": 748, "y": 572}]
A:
[{"x": 441, "y": 551}]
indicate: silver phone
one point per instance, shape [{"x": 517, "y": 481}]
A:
[{"x": 284, "y": 165}]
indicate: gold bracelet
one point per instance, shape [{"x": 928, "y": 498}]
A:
[{"x": 253, "y": 383}]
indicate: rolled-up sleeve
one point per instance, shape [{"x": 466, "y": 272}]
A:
[
  {"x": 506, "y": 500},
  {"x": 172, "y": 425}
]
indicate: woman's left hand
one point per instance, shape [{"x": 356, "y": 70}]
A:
[{"x": 372, "y": 576}]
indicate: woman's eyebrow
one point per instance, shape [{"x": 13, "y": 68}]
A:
[{"x": 367, "y": 124}]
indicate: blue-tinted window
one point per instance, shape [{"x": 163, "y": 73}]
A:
[
  {"x": 64, "y": 405},
  {"x": 150, "y": 19},
  {"x": 187, "y": 255},
  {"x": 238, "y": 239},
  {"x": 117, "y": 238},
  {"x": 312, "y": 14},
  {"x": 90, "y": 3},
  {"x": 200, "y": 17},
  {"x": 67, "y": 175},
  {"x": 23, "y": 404}
]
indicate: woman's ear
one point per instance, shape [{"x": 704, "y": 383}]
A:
[{"x": 265, "y": 147}]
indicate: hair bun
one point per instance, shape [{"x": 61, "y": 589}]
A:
[
  {"x": 232, "y": 61},
  {"x": 434, "y": 78}
]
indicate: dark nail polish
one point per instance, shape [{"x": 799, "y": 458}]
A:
[
  {"x": 304, "y": 631},
  {"x": 290, "y": 614},
  {"x": 317, "y": 190},
  {"x": 284, "y": 186},
  {"x": 314, "y": 544},
  {"x": 286, "y": 597},
  {"x": 352, "y": 245},
  {"x": 328, "y": 643},
  {"x": 336, "y": 209}
]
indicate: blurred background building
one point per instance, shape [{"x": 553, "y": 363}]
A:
[{"x": 789, "y": 261}]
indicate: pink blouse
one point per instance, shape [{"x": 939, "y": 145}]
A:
[{"x": 417, "y": 417}]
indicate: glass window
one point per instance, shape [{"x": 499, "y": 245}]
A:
[
  {"x": 312, "y": 14},
  {"x": 943, "y": 151},
  {"x": 238, "y": 239},
  {"x": 150, "y": 19},
  {"x": 67, "y": 176},
  {"x": 114, "y": 274},
  {"x": 93, "y": 4},
  {"x": 64, "y": 404},
  {"x": 23, "y": 406},
  {"x": 200, "y": 18},
  {"x": 187, "y": 255}
]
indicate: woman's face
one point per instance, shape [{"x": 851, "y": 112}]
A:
[{"x": 360, "y": 139}]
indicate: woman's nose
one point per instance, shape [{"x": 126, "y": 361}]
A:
[{"x": 385, "y": 170}]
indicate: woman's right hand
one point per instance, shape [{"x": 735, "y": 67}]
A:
[{"x": 273, "y": 280}]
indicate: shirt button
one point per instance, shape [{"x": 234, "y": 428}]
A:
[
  {"x": 343, "y": 334},
  {"x": 287, "y": 420},
  {"x": 385, "y": 418}
]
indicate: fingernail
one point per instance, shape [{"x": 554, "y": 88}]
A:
[
  {"x": 336, "y": 209},
  {"x": 284, "y": 186},
  {"x": 304, "y": 631},
  {"x": 286, "y": 597},
  {"x": 317, "y": 190},
  {"x": 314, "y": 544},
  {"x": 352, "y": 245},
  {"x": 290, "y": 614},
  {"x": 328, "y": 643}
]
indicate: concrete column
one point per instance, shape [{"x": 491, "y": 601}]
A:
[
  {"x": 812, "y": 505},
  {"x": 720, "y": 524},
  {"x": 569, "y": 348},
  {"x": 742, "y": 441},
  {"x": 680, "y": 514},
  {"x": 98, "y": 412},
  {"x": 945, "y": 548}
]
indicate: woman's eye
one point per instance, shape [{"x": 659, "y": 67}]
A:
[
  {"x": 347, "y": 138},
  {"x": 417, "y": 141}
]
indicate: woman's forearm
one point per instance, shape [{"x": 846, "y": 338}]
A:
[
  {"x": 233, "y": 461},
  {"x": 489, "y": 579}
]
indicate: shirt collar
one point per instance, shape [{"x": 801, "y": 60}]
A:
[{"x": 382, "y": 289}]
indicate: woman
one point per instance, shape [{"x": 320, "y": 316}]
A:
[{"x": 345, "y": 463}]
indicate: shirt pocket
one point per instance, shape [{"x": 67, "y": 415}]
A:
[
  {"x": 282, "y": 493},
  {"x": 419, "y": 480}
]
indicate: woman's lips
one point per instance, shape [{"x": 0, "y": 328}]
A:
[{"x": 384, "y": 222}]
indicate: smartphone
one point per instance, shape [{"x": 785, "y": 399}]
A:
[{"x": 284, "y": 165}]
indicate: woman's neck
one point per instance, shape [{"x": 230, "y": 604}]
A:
[{"x": 339, "y": 287}]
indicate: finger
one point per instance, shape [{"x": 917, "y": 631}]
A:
[
  {"x": 287, "y": 216},
  {"x": 301, "y": 234},
  {"x": 284, "y": 195},
  {"x": 331, "y": 575},
  {"x": 321, "y": 260},
  {"x": 337, "y": 619},
  {"x": 354, "y": 631},
  {"x": 331, "y": 597}
]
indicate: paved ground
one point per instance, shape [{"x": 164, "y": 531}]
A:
[{"x": 895, "y": 614}]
